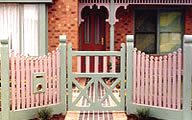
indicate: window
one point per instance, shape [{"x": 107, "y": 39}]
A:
[
  {"x": 158, "y": 32},
  {"x": 21, "y": 23}
]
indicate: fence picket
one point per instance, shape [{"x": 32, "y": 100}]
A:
[
  {"x": 179, "y": 79},
  {"x": 147, "y": 80},
  {"x": 138, "y": 76},
  {"x": 13, "y": 79},
  {"x": 58, "y": 75},
  {"x": 49, "y": 77},
  {"x": 160, "y": 82},
  {"x": 155, "y": 81},
  {"x": 36, "y": 70},
  {"x": 174, "y": 81},
  {"x": 46, "y": 73},
  {"x": 169, "y": 79},
  {"x": 23, "y": 81},
  {"x": 96, "y": 64},
  {"x": 151, "y": 81},
  {"x": 165, "y": 81},
  {"x": 18, "y": 80},
  {"x": 41, "y": 70},
  {"x": 134, "y": 74},
  {"x": 32, "y": 70},
  {"x": 105, "y": 64},
  {"x": 79, "y": 64},
  {"x": 53, "y": 77},
  {"x": 28, "y": 82},
  {"x": 87, "y": 64},
  {"x": 142, "y": 77}
]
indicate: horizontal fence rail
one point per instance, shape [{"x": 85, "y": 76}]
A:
[
  {"x": 171, "y": 2},
  {"x": 21, "y": 80},
  {"x": 157, "y": 80}
]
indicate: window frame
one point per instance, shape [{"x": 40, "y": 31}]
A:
[
  {"x": 159, "y": 10},
  {"x": 42, "y": 28}
]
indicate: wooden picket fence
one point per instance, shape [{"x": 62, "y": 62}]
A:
[
  {"x": 22, "y": 69},
  {"x": 157, "y": 80}
]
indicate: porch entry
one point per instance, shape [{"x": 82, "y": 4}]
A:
[
  {"x": 96, "y": 90},
  {"x": 92, "y": 34}
]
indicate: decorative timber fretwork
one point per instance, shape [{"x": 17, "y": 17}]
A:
[{"x": 115, "y": 4}]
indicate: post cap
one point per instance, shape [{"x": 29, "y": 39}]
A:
[
  {"x": 63, "y": 38},
  {"x": 4, "y": 39},
  {"x": 129, "y": 38},
  {"x": 187, "y": 39}
]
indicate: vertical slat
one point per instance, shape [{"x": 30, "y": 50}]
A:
[
  {"x": 142, "y": 77},
  {"x": 79, "y": 64},
  {"x": 23, "y": 81},
  {"x": 147, "y": 79},
  {"x": 134, "y": 74},
  {"x": 58, "y": 76},
  {"x": 174, "y": 81},
  {"x": 96, "y": 64},
  {"x": 179, "y": 79},
  {"x": 27, "y": 82},
  {"x": 165, "y": 81},
  {"x": 49, "y": 74},
  {"x": 151, "y": 81},
  {"x": 138, "y": 76},
  {"x": 32, "y": 70},
  {"x": 155, "y": 82},
  {"x": 13, "y": 79},
  {"x": 160, "y": 82},
  {"x": 169, "y": 79},
  {"x": 105, "y": 64},
  {"x": 87, "y": 64},
  {"x": 54, "y": 77},
  {"x": 18, "y": 80},
  {"x": 41, "y": 70},
  {"x": 36, "y": 70},
  {"x": 46, "y": 74},
  {"x": 113, "y": 64}
]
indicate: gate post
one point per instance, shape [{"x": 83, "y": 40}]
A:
[
  {"x": 129, "y": 83},
  {"x": 63, "y": 58},
  {"x": 5, "y": 106},
  {"x": 187, "y": 76}
]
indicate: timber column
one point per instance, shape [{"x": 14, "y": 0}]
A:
[
  {"x": 187, "y": 79},
  {"x": 112, "y": 22}
]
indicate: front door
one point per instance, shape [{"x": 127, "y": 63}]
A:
[{"x": 92, "y": 35}]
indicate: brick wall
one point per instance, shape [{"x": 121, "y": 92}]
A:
[
  {"x": 63, "y": 19},
  {"x": 188, "y": 21}
]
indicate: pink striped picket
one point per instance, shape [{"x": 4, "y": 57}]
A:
[
  {"x": 22, "y": 69},
  {"x": 158, "y": 79}
]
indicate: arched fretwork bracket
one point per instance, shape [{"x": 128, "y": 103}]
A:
[{"x": 90, "y": 5}]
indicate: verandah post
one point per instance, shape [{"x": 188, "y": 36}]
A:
[
  {"x": 187, "y": 77},
  {"x": 5, "y": 106},
  {"x": 129, "y": 83},
  {"x": 63, "y": 58}
]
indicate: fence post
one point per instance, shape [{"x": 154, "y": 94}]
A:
[
  {"x": 187, "y": 78},
  {"x": 129, "y": 83},
  {"x": 5, "y": 106},
  {"x": 63, "y": 58}
]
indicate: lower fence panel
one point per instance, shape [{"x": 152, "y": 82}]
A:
[
  {"x": 157, "y": 79},
  {"x": 22, "y": 81}
]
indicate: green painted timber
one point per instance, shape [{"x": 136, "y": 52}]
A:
[
  {"x": 63, "y": 63},
  {"x": 187, "y": 76},
  {"x": 95, "y": 79},
  {"x": 5, "y": 105},
  {"x": 26, "y": 1},
  {"x": 112, "y": 22},
  {"x": 42, "y": 30},
  {"x": 129, "y": 75}
]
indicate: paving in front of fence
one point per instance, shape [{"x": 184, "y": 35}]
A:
[{"x": 96, "y": 115}]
